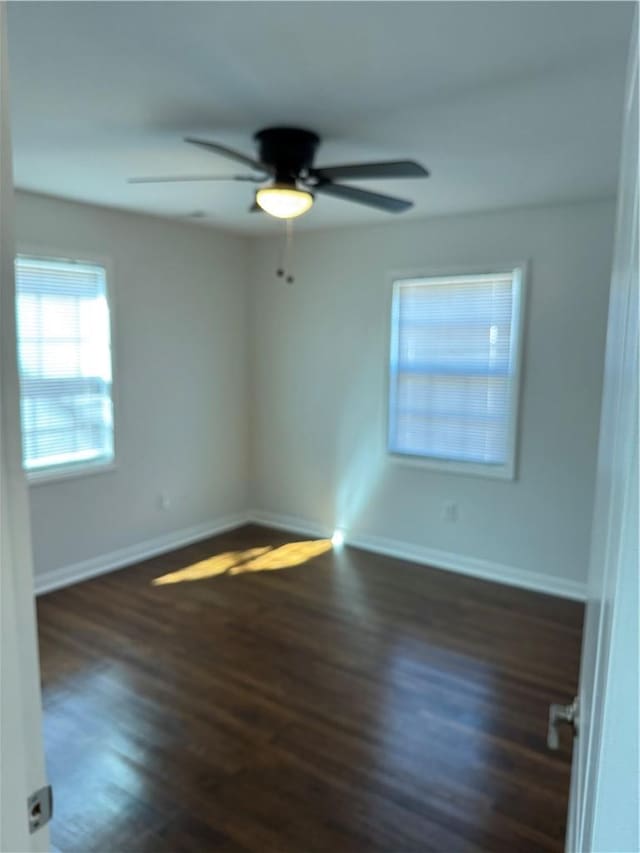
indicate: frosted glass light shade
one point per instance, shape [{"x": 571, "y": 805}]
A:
[{"x": 284, "y": 201}]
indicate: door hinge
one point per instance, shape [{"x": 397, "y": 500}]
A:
[
  {"x": 40, "y": 808},
  {"x": 561, "y": 714}
]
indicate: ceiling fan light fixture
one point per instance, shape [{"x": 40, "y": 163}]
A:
[{"x": 284, "y": 201}]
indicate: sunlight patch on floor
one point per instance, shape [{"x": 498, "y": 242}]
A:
[
  {"x": 285, "y": 557},
  {"x": 266, "y": 559}
]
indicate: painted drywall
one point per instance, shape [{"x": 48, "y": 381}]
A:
[
  {"x": 178, "y": 295},
  {"x": 236, "y": 392},
  {"x": 318, "y": 371}
]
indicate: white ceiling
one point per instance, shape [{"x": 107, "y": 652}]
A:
[{"x": 506, "y": 103}]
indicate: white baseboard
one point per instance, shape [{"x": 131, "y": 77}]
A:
[
  {"x": 484, "y": 569},
  {"x": 289, "y": 523},
  {"x": 477, "y": 568},
  {"x": 119, "y": 559}
]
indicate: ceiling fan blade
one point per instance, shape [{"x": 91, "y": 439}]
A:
[
  {"x": 231, "y": 153},
  {"x": 179, "y": 178},
  {"x": 390, "y": 169},
  {"x": 388, "y": 203}
]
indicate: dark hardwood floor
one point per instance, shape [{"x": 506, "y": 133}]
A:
[{"x": 350, "y": 703}]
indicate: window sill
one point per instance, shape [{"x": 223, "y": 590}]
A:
[
  {"x": 443, "y": 466},
  {"x": 68, "y": 472}
]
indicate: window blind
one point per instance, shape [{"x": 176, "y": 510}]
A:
[
  {"x": 453, "y": 349},
  {"x": 64, "y": 353}
]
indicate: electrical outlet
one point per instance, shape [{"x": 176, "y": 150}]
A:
[
  {"x": 164, "y": 501},
  {"x": 450, "y": 511}
]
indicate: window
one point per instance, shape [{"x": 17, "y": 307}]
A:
[
  {"x": 64, "y": 354},
  {"x": 454, "y": 370}
]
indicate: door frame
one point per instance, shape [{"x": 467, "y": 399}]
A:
[
  {"x": 21, "y": 744},
  {"x": 612, "y": 577}
]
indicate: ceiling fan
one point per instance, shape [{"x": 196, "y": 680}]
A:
[{"x": 285, "y": 163}]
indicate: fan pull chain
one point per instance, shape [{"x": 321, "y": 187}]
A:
[
  {"x": 285, "y": 260},
  {"x": 280, "y": 268},
  {"x": 289, "y": 255}
]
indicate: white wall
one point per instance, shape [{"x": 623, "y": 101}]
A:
[
  {"x": 318, "y": 367},
  {"x": 178, "y": 293},
  {"x": 237, "y": 391}
]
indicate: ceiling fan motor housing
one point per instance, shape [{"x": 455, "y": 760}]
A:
[
  {"x": 286, "y": 157},
  {"x": 289, "y": 150}
]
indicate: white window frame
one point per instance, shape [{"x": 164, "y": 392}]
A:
[
  {"x": 507, "y": 471},
  {"x": 72, "y": 470}
]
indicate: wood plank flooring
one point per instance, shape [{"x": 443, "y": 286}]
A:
[{"x": 207, "y": 700}]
